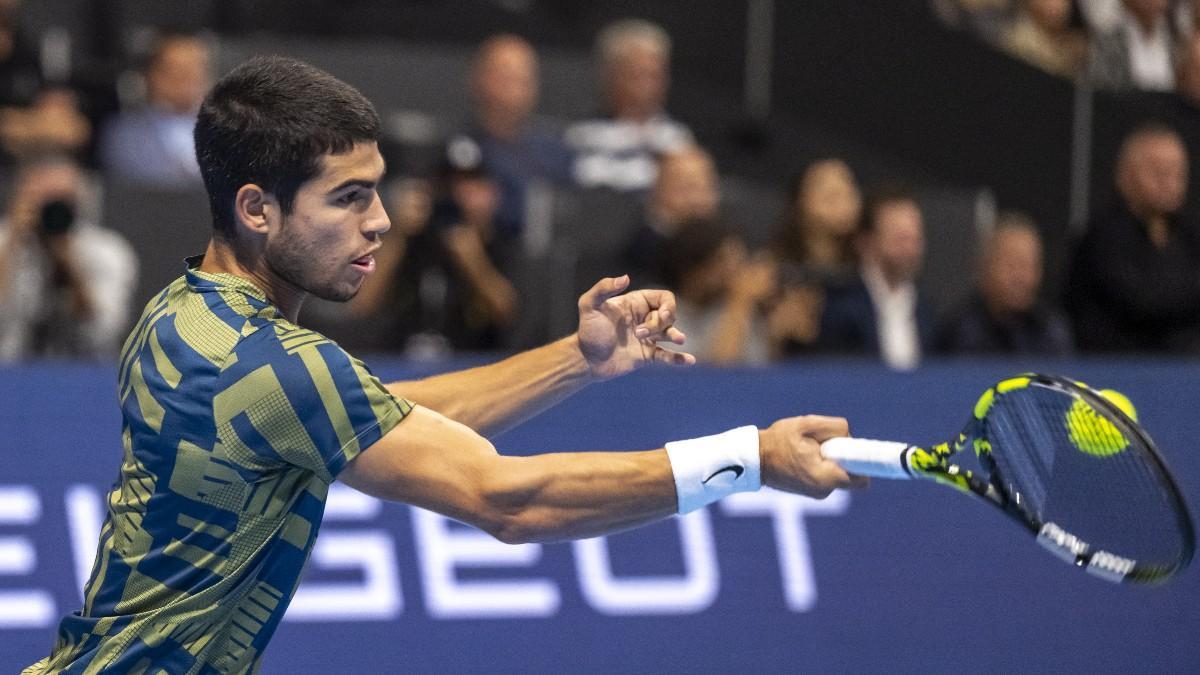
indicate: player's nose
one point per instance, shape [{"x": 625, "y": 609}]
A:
[{"x": 377, "y": 221}]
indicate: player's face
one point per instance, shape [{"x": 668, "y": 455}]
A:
[{"x": 324, "y": 246}]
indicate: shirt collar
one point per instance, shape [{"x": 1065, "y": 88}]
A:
[
  {"x": 881, "y": 291},
  {"x": 201, "y": 281}
]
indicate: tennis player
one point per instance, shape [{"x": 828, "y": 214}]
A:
[{"x": 236, "y": 419}]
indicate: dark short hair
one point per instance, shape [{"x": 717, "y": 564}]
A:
[
  {"x": 691, "y": 246},
  {"x": 269, "y": 122},
  {"x": 881, "y": 196}
]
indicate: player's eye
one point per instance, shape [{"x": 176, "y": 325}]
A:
[{"x": 350, "y": 197}]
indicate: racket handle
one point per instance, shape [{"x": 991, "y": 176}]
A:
[{"x": 878, "y": 459}]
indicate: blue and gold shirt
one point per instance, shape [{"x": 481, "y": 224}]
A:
[{"x": 235, "y": 422}]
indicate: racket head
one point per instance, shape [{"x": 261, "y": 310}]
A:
[{"x": 1077, "y": 471}]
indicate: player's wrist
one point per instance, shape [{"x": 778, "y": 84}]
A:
[
  {"x": 709, "y": 468},
  {"x": 580, "y": 365}
]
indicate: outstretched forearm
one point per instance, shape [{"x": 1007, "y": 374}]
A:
[
  {"x": 436, "y": 463},
  {"x": 561, "y": 496},
  {"x": 495, "y": 397}
]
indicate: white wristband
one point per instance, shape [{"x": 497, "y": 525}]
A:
[{"x": 708, "y": 468}]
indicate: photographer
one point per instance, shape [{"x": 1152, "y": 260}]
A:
[{"x": 65, "y": 283}]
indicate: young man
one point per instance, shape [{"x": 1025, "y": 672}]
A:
[{"x": 236, "y": 419}]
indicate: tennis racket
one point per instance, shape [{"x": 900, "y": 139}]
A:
[{"x": 1065, "y": 462}]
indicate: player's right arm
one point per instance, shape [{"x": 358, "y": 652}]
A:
[{"x": 435, "y": 463}]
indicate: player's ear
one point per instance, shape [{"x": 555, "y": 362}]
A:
[{"x": 255, "y": 208}]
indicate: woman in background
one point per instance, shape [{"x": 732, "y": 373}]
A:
[{"x": 814, "y": 246}]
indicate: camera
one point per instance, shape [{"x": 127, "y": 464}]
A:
[{"x": 58, "y": 217}]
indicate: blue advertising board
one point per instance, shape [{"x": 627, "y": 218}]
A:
[{"x": 900, "y": 577}]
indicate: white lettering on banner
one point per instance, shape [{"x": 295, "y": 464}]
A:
[
  {"x": 442, "y": 548},
  {"x": 346, "y": 503},
  {"x": 787, "y": 513},
  {"x": 31, "y": 608},
  {"x": 691, "y": 593},
  {"x": 85, "y": 517},
  {"x": 377, "y": 597}
]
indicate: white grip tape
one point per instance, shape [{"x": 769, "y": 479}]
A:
[
  {"x": 709, "y": 468},
  {"x": 865, "y": 457}
]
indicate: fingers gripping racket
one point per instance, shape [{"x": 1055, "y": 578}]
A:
[{"x": 1065, "y": 462}]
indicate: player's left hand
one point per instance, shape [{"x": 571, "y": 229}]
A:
[{"x": 620, "y": 333}]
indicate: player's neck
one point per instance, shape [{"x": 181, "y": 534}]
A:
[{"x": 224, "y": 258}]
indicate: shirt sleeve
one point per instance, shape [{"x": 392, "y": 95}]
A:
[{"x": 303, "y": 404}]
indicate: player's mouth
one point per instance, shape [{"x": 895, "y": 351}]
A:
[{"x": 366, "y": 263}]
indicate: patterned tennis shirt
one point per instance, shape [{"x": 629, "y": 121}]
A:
[{"x": 235, "y": 422}]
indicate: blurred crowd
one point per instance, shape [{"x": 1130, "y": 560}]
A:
[
  {"x": 839, "y": 276},
  {"x": 1148, "y": 45}
]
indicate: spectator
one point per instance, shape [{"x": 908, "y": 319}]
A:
[
  {"x": 720, "y": 293},
  {"x": 881, "y": 312},
  {"x": 815, "y": 247},
  {"x": 1043, "y": 34},
  {"x": 35, "y": 117},
  {"x": 442, "y": 279},
  {"x": 1004, "y": 314},
  {"x": 65, "y": 283},
  {"x": 619, "y": 149},
  {"x": 517, "y": 151},
  {"x": 1135, "y": 279},
  {"x": 51, "y": 124},
  {"x": 686, "y": 188},
  {"x": 1138, "y": 51},
  {"x": 153, "y": 144}
]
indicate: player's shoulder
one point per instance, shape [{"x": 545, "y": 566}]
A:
[
  {"x": 280, "y": 339},
  {"x": 301, "y": 364}
]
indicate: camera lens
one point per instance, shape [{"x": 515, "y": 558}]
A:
[{"x": 57, "y": 217}]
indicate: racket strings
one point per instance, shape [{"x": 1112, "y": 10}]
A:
[{"x": 1083, "y": 470}]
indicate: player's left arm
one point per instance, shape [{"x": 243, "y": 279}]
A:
[{"x": 618, "y": 332}]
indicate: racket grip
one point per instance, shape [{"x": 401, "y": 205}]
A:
[{"x": 865, "y": 457}]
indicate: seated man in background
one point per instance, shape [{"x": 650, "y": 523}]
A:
[
  {"x": 687, "y": 188},
  {"x": 1136, "y": 47},
  {"x": 721, "y": 293},
  {"x": 881, "y": 312},
  {"x": 65, "y": 283},
  {"x": 1134, "y": 283},
  {"x": 517, "y": 151},
  {"x": 153, "y": 144},
  {"x": 619, "y": 149},
  {"x": 1004, "y": 314}
]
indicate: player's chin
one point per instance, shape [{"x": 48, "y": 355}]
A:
[{"x": 341, "y": 291}]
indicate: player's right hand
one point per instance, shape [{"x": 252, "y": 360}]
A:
[{"x": 791, "y": 460}]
